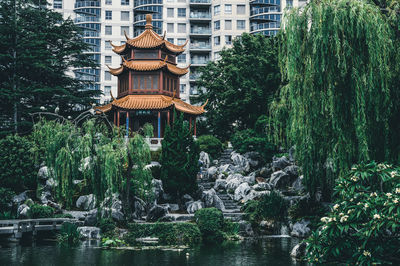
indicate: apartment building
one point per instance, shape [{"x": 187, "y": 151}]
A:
[{"x": 207, "y": 25}]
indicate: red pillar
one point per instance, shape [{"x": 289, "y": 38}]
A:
[
  {"x": 195, "y": 127},
  {"x": 190, "y": 122},
  {"x": 115, "y": 118},
  {"x": 118, "y": 118},
  {"x": 168, "y": 116}
]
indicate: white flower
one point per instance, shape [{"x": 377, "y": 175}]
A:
[
  {"x": 398, "y": 190},
  {"x": 373, "y": 194},
  {"x": 366, "y": 205},
  {"x": 367, "y": 253},
  {"x": 354, "y": 178},
  {"x": 353, "y": 168},
  {"x": 336, "y": 206},
  {"x": 395, "y": 201},
  {"x": 389, "y": 195},
  {"x": 326, "y": 219},
  {"x": 350, "y": 211},
  {"x": 393, "y": 173},
  {"x": 341, "y": 214},
  {"x": 377, "y": 216},
  {"x": 344, "y": 218}
]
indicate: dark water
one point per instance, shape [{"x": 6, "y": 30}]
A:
[{"x": 273, "y": 251}]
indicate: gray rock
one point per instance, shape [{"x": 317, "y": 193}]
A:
[
  {"x": 226, "y": 168},
  {"x": 252, "y": 195},
  {"x": 254, "y": 158},
  {"x": 299, "y": 251},
  {"x": 280, "y": 163},
  {"x": 262, "y": 186},
  {"x": 233, "y": 181},
  {"x": 240, "y": 161},
  {"x": 292, "y": 153},
  {"x": 194, "y": 206},
  {"x": 174, "y": 207},
  {"x": 89, "y": 232},
  {"x": 301, "y": 229},
  {"x": 292, "y": 170},
  {"x": 187, "y": 198},
  {"x": 265, "y": 172},
  {"x": 20, "y": 198},
  {"x": 251, "y": 179},
  {"x": 50, "y": 183},
  {"x": 139, "y": 208},
  {"x": 85, "y": 164},
  {"x": 157, "y": 188},
  {"x": 44, "y": 173},
  {"x": 91, "y": 218},
  {"x": 212, "y": 171},
  {"x": 298, "y": 184},
  {"x": 280, "y": 180},
  {"x": 76, "y": 182},
  {"x": 79, "y": 215},
  {"x": 87, "y": 202},
  {"x": 211, "y": 199},
  {"x": 245, "y": 229},
  {"x": 156, "y": 212},
  {"x": 45, "y": 197},
  {"x": 23, "y": 211},
  {"x": 205, "y": 159},
  {"x": 220, "y": 184},
  {"x": 241, "y": 191},
  {"x": 112, "y": 207}
]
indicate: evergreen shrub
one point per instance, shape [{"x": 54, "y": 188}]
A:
[
  {"x": 271, "y": 206},
  {"x": 40, "y": 211},
  {"x": 211, "y": 223},
  {"x": 210, "y": 145},
  {"x": 6, "y": 196},
  {"x": 69, "y": 234}
]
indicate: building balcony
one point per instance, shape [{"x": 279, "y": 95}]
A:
[
  {"x": 264, "y": 26},
  {"x": 194, "y": 76},
  {"x": 200, "y": 3},
  {"x": 200, "y": 31},
  {"x": 200, "y": 16},
  {"x": 265, "y": 2},
  {"x": 139, "y": 3},
  {"x": 87, "y": 4},
  {"x": 264, "y": 10},
  {"x": 91, "y": 34},
  {"x": 199, "y": 62},
  {"x": 87, "y": 19},
  {"x": 200, "y": 47}
]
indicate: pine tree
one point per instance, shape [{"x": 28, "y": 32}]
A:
[
  {"x": 37, "y": 50},
  {"x": 179, "y": 159}
]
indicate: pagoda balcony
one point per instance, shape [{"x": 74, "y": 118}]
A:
[
  {"x": 87, "y": 4},
  {"x": 154, "y": 143}
]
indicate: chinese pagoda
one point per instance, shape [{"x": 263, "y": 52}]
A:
[{"x": 148, "y": 84}]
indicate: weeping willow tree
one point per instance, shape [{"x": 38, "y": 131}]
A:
[{"x": 336, "y": 59}]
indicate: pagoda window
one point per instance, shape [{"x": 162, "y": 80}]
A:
[
  {"x": 146, "y": 54},
  {"x": 135, "y": 82},
  {"x": 141, "y": 82}
]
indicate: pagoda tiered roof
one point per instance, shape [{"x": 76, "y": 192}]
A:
[{"x": 152, "y": 102}]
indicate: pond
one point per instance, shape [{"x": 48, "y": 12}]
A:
[{"x": 271, "y": 251}]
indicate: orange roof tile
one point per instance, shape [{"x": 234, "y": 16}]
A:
[
  {"x": 149, "y": 65},
  {"x": 149, "y": 39},
  {"x": 152, "y": 102}
]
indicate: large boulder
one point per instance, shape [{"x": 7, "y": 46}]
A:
[
  {"x": 187, "y": 198},
  {"x": 299, "y": 251},
  {"x": 20, "y": 198},
  {"x": 254, "y": 158},
  {"x": 262, "y": 186},
  {"x": 292, "y": 153},
  {"x": 204, "y": 159},
  {"x": 245, "y": 229},
  {"x": 192, "y": 207},
  {"x": 211, "y": 199},
  {"x": 265, "y": 172},
  {"x": 156, "y": 212},
  {"x": 240, "y": 161},
  {"x": 226, "y": 168},
  {"x": 280, "y": 180},
  {"x": 89, "y": 232},
  {"x": 43, "y": 173},
  {"x": 292, "y": 171},
  {"x": 157, "y": 188},
  {"x": 298, "y": 184},
  {"x": 280, "y": 163},
  {"x": 250, "y": 179},
  {"x": 241, "y": 191},
  {"x": 112, "y": 207},
  {"x": 139, "y": 208},
  {"x": 253, "y": 194},
  {"x": 220, "y": 184},
  {"x": 301, "y": 229},
  {"x": 45, "y": 197},
  {"x": 233, "y": 181},
  {"x": 86, "y": 202},
  {"x": 91, "y": 218},
  {"x": 212, "y": 172},
  {"x": 23, "y": 211}
]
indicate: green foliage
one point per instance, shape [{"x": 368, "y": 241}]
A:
[
  {"x": 210, "y": 222},
  {"x": 148, "y": 130},
  {"x": 17, "y": 167},
  {"x": 271, "y": 206},
  {"x": 337, "y": 57},
  {"x": 211, "y": 145},
  {"x": 35, "y": 73},
  {"x": 240, "y": 85},
  {"x": 106, "y": 226},
  {"x": 6, "y": 196},
  {"x": 248, "y": 140},
  {"x": 41, "y": 211},
  {"x": 156, "y": 155},
  {"x": 63, "y": 215},
  {"x": 167, "y": 233},
  {"x": 107, "y": 242},
  {"x": 363, "y": 227},
  {"x": 69, "y": 234},
  {"x": 179, "y": 159}
]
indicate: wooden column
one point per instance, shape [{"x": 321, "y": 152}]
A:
[
  {"x": 195, "y": 127},
  {"x": 190, "y": 122},
  {"x": 127, "y": 123},
  {"x": 159, "y": 125},
  {"x": 130, "y": 82},
  {"x": 115, "y": 118},
  {"x": 168, "y": 116},
  {"x": 118, "y": 118}
]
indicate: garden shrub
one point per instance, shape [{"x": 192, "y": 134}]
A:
[
  {"x": 167, "y": 233},
  {"x": 40, "y": 211},
  {"x": 108, "y": 242},
  {"x": 69, "y": 234},
  {"x": 106, "y": 225},
  {"x": 6, "y": 196},
  {"x": 210, "y": 145},
  {"x": 63, "y": 215},
  {"x": 363, "y": 226},
  {"x": 148, "y": 130},
  {"x": 210, "y": 222},
  {"x": 271, "y": 206},
  {"x": 17, "y": 167},
  {"x": 248, "y": 140}
]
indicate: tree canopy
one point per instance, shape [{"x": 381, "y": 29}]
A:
[
  {"x": 38, "y": 50},
  {"x": 337, "y": 59},
  {"x": 240, "y": 85}
]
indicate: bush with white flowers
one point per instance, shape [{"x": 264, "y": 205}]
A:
[{"x": 363, "y": 226}]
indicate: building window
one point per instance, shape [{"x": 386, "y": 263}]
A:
[
  {"x": 182, "y": 88},
  {"x": 217, "y": 25},
  {"x": 108, "y": 30},
  {"x": 170, "y": 12},
  {"x": 241, "y": 9},
  {"x": 241, "y": 24},
  {"x": 182, "y": 58},
  {"x": 107, "y": 45},
  {"x": 181, "y": 41},
  {"x": 108, "y": 59},
  {"x": 124, "y": 15},
  {"x": 107, "y": 90},
  {"x": 289, "y": 4},
  {"x": 107, "y": 75},
  {"x": 124, "y": 29},
  {"x": 228, "y": 24},
  {"x": 181, "y": 1},
  {"x": 171, "y": 40},
  {"x": 181, "y": 12},
  {"x": 217, "y": 40},
  {"x": 124, "y": 2},
  {"x": 108, "y": 15},
  {"x": 181, "y": 27},
  {"x": 57, "y": 4},
  {"x": 217, "y": 55},
  {"x": 170, "y": 27},
  {"x": 108, "y": 2},
  {"x": 217, "y": 10},
  {"x": 228, "y": 39},
  {"x": 228, "y": 9}
]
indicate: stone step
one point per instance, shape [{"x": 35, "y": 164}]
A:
[{"x": 230, "y": 211}]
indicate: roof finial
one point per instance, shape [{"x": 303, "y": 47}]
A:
[{"x": 148, "y": 22}]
